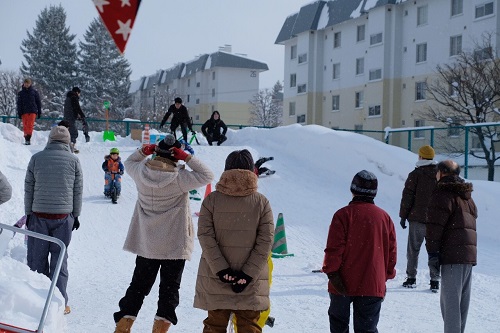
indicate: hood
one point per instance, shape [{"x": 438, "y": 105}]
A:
[
  {"x": 456, "y": 185},
  {"x": 108, "y": 157},
  {"x": 159, "y": 172},
  {"x": 237, "y": 183}
]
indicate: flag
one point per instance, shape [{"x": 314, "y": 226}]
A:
[{"x": 118, "y": 17}]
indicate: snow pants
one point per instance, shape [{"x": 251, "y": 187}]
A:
[
  {"x": 142, "y": 281},
  {"x": 184, "y": 127},
  {"x": 28, "y": 124},
  {"x": 416, "y": 236},
  {"x": 456, "y": 284},
  {"x": 107, "y": 182},
  {"x": 217, "y": 321},
  {"x": 39, "y": 250},
  {"x": 366, "y": 313},
  {"x": 73, "y": 131}
]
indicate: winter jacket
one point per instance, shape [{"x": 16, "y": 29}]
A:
[
  {"x": 161, "y": 225},
  {"x": 113, "y": 166},
  {"x": 361, "y": 246},
  {"x": 5, "y": 189},
  {"x": 235, "y": 230},
  {"x": 180, "y": 116},
  {"x": 213, "y": 127},
  {"x": 54, "y": 181},
  {"x": 28, "y": 101},
  {"x": 417, "y": 191},
  {"x": 451, "y": 222},
  {"x": 72, "y": 109}
]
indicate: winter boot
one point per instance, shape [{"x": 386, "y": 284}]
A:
[
  {"x": 124, "y": 325},
  {"x": 27, "y": 139},
  {"x": 270, "y": 321},
  {"x": 434, "y": 286},
  {"x": 67, "y": 310},
  {"x": 410, "y": 283},
  {"x": 161, "y": 326},
  {"x": 269, "y": 172}
]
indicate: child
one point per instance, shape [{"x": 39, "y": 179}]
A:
[
  {"x": 113, "y": 167},
  {"x": 263, "y": 171},
  {"x": 186, "y": 146}
]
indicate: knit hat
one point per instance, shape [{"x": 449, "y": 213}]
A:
[
  {"x": 426, "y": 152},
  {"x": 365, "y": 184},
  {"x": 60, "y": 134},
  {"x": 163, "y": 147},
  {"x": 239, "y": 159}
]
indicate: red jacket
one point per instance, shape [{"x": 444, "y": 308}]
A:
[{"x": 362, "y": 246}]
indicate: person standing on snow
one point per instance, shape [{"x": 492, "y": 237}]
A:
[
  {"x": 451, "y": 241},
  {"x": 53, "y": 190},
  {"x": 360, "y": 256},
  {"x": 72, "y": 113},
  {"x": 214, "y": 129},
  {"x": 29, "y": 107},
  {"x": 5, "y": 189},
  {"x": 180, "y": 118},
  {"x": 414, "y": 202},
  {"x": 161, "y": 230}
]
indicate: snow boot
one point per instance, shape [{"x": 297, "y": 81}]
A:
[
  {"x": 67, "y": 310},
  {"x": 27, "y": 139},
  {"x": 269, "y": 172},
  {"x": 161, "y": 326},
  {"x": 434, "y": 286},
  {"x": 410, "y": 283},
  {"x": 87, "y": 138},
  {"x": 124, "y": 325}
]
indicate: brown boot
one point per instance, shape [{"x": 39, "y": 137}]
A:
[
  {"x": 161, "y": 326},
  {"x": 124, "y": 325}
]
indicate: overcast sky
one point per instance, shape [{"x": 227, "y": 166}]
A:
[{"x": 167, "y": 31}]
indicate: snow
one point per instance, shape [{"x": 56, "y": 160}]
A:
[{"x": 314, "y": 167}]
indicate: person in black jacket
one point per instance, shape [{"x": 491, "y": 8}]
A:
[
  {"x": 72, "y": 113},
  {"x": 180, "y": 117},
  {"x": 29, "y": 107},
  {"x": 212, "y": 129}
]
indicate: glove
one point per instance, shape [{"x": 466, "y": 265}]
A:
[
  {"x": 179, "y": 154},
  {"x": 149, "y": 149},
  {"x": 403, "y": 223},
  {"x": 239, "y": 287},
  {"x": 28, "y": 220},
  {"x": 337, "y": 283},
  {"x": 434, "y": 260},
  {"x": 193, "y": 132},
  {"x": 227, "y": 275},
  {"x": 76, "y": 224},
  {"x": 121, "y": 172}
]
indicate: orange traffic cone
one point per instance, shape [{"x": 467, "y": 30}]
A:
[
  {"x": 208, "y": 190},
  {"x": 145, "y": 136}
]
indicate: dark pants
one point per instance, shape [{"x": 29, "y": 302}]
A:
[
  {"x": 217, "y": 321},
  {"x": 142, "y": 281},
  {"x": 366, "y": 313},
  {"x": 184, "y": 127},
  {"x": 214, "y": 138}
]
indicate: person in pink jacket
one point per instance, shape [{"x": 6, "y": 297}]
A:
[{"x": 360, "y": 256}]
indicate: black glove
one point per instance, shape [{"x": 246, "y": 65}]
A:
[
  {"x": 28, "y": 220},
  {"x": 337, "y": 283},
  {"x": 434, "y": 260},
  {"x": 76, "y": 224},
  {"x": 403, "y": 223},
  {"x": 193, "y": 132},
  {"x": 239, "y": 287},
  {"x": 230, "y": 274}
]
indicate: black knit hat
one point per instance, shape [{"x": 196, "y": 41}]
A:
[
  {"x": 163, "y": 147},
  {"x": 365, "y": 184},
  {"x": 240, "y": 159}
]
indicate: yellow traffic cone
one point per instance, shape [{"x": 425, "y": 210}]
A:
[{"x": 280, "y": 249}]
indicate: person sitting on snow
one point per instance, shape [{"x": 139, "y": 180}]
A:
[{"x": 113, "y": 167}]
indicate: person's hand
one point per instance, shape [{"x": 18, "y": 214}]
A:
[
  {"x": 149, "y": 149},
  {"x": 179, "y": 154},
  {"x": 28, "y": 220},
  {"x": 242, "y": 281},
  {"x": 434, "y": 260},
  {"x": 403, "y": 223},
  {"x": 337, "y": 283},
  {"x": 227, "y": 275},
  {"x": 193, "y": 132},
  {"x": 76, "y": 224}
]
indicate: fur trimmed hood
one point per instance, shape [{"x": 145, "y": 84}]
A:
[
  {"x": 456, "y": 185},
  {"x": 237, "y": 183}
]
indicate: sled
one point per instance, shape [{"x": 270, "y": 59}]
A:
[{"x": 6, "y": 328}]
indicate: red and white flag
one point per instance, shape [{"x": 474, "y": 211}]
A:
[{"x": 118, "y": 17}]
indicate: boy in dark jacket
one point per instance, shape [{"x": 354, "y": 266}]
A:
[
  {"x": 180, "y": 118},
  {"x": 113, "y": 167},
  {"x": 214, "y": 129},
  {"x": 29, "y": 107}
]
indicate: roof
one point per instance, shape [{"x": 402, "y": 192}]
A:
[{"x": 224, "y": 59}]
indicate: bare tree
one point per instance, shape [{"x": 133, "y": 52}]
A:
[
  {"x": 10, "y": 84},
  {"x": 468, "y": 91},
  {"x": 267, "y": 107}
]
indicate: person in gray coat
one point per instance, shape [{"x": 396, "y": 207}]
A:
[
  {"x": 53, "y": 202},
  {"x": 161, "y": 230},
  {"x": 5, "y": 189}
]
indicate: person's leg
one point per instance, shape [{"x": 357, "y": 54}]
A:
[
  {"x": 184, "y": 132},
  {"x": 451, "y": 294},
  {"x": 466, "y": 291},
  {"x": 247, "y": 321},
  {"x": 142, "y": 281},
  {"x": 366, "y": 313},
  {"x": 38, "y": 249},
  {"x": 173, "y": 128},
  {"x": 107, "y": 184},
  {"x": 416, "y": 235},
  {"x": 339, "y": 313},
  {"x": 170, "y": 282},
  {"x": 217, "y": 321},
  {"x": 118, "y": 183},
  {"x": 259, "y": 162},
  {"x": 28, "y": 125}
]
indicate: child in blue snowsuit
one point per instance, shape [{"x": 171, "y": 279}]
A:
[
  {"x": 113, "y": 167},
  {"x": 186, "y": 146}
]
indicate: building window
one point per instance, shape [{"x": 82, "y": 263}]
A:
[
  {"x": 293, "y": 52},
  {"x": 336, "y": 71},
  {"x": 453, "y": 128},
  {"x": 197, "y": 84},
  {"x": 213, "y": 75},
  {"x": 213, "y": 92},
  {"x": 360, "y": 66},
  {"x": 374, "y": 111},
  {"x": 376, "y": 39},
  {"x": 419, "y": 134},
  {"x": 291, "y": 109},
  {"x": 483, "y": 54},
  {"x": 337, "y": 39},
  {"x": 421, "y": 52},
  {"x": 293, "y": 80},
  {"x": 358, "y": 128},
  {"x": 484, "y": 9},
  {"x": 375, "y": 74},
  {"x": 358, "y": 99},
  {"x": 360, "y": 35},
  {"x": 189, "y": 82},
  {"x": 301, "y": 119},
  {"x": 422, "y": 15},
  {"x": 188, "y": 98},
  {"x": 302, "y": 88},
  {"x": 302, "y": 58},
  {"x": 420, "y": 88},
  {"x": 455, "y": 45},
  {"x": 457, "y": 7},
  {"x": 197, "y": 101},
  {"x": 335, "y": 102}
]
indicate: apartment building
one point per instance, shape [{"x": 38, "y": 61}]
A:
[{"x": 364, "y": 64}]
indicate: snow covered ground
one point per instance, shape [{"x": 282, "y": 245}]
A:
[{"x": 314, "y": 168}]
